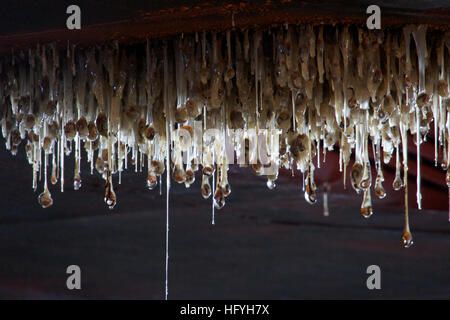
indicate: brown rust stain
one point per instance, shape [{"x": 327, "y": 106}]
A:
[{"x": 209, "y": 16}]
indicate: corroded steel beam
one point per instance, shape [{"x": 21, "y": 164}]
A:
[{"x": 221, "y": 15}]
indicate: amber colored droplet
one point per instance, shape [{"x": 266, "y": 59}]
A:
[
  {"x": 193, "y": 108},
  {"x": 53, "y": 179},
  {"x": 14, "y": 150},
  {"x": 29, "y": 121},
  {"x": 93, "y": 132},
  {"x": 45, "y": 199},
  {"x": 366, "y": 211},
  {"x": 141, "y": 127},
  {"x": 181, "y": 115},
  {"x": 356, "y": 175},
  {"x": 310, "y": 195},
  {"x": 366, "y": 206},
  {"x": 149, "y": 133},
  {"x": 447, "y": 177},
  {"x": 105, "y": 155},
  {"x": 110, "y": 199},
  {"x": 407, "y": 239},
  {"x": 366, "y": 180},
  {"x": 158, "y": 167},
  {"x": 206, "y": 188},
  {"x": 77, "y": 183},
  {"x": 189, "y": 129},
  {"x": 423, "y": 99},
  {"x": 152, "y": 181},
  {"x": 226, "y": 189},
  {"x": 82, "y": 127},
  {"x": 190, "y": 177},
  {"x": 102, "y": 124},
  {"x": 219, "y": 199},
  {"x": 70, "y": 130},
  {"x": 257, "y": 169},
  {"x": 398, "y": 183},
  {"x": 208, "y": 170},
  {"x": 110, "y": 195},
  {"x": 365, "y": 184},
  {"x": 179, "y": 175},
  {"x": 310, "y": 189},
  {"x": 194, "y": 165},
  {"x": 15, "y": 137},
  {"x": 51, "y": 108},
  {"x": 379, "y": 191},
  {"x": 46, "y": 143}
]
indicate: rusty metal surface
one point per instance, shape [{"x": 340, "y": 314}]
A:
[{"x": 27, "y": 23}]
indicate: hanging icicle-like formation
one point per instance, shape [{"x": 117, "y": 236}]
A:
[{"x": 315, "y": 87}]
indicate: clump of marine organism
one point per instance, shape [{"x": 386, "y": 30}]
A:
[{"x": 317, "y": 87}]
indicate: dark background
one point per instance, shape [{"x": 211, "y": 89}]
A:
[{"x": 265, "y": 244}]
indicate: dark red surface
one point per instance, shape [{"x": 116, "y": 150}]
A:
[{"x": 27, "y": 23}]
